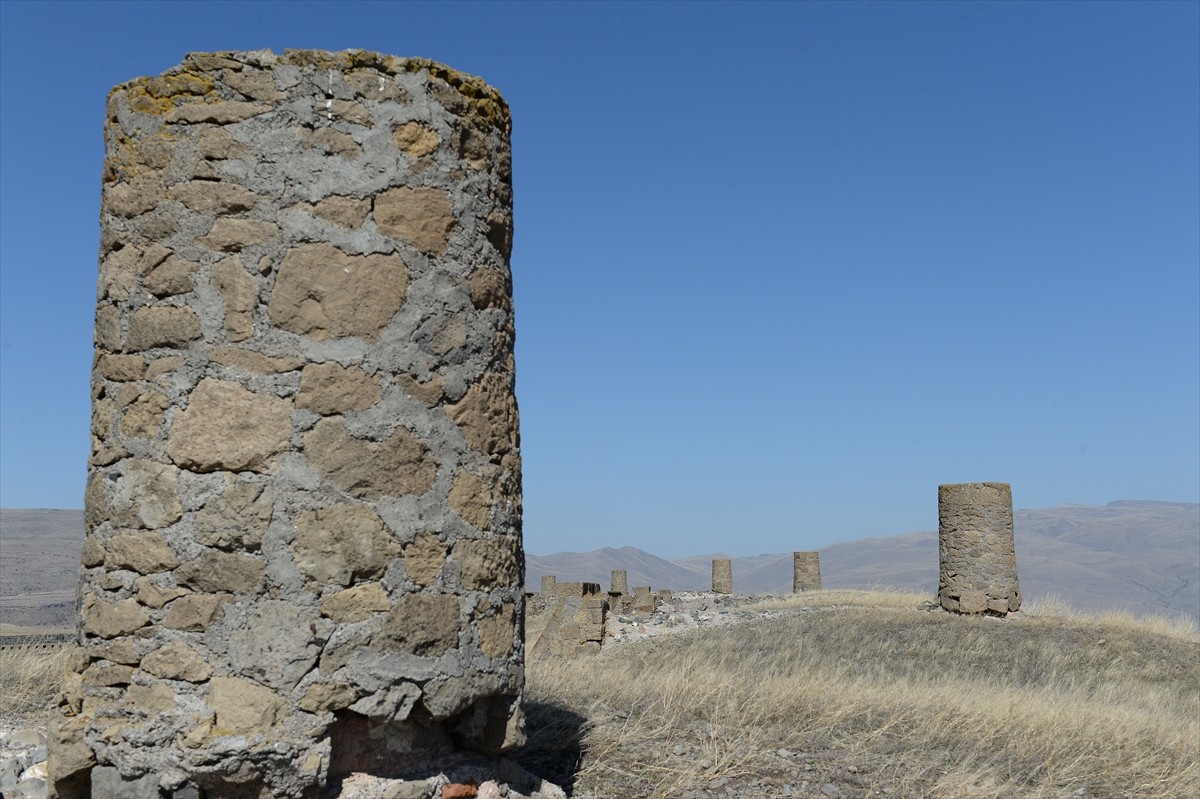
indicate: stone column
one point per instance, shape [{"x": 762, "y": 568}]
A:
[
  {"x": 722, "y": 576},
  {"x": 303, "y": 510},
  {"x": 978, "y": 563},
  {"x": 643, "y": 599},
  {"x": 549, "y": 586},
  {"x": 806, "y": 572},
  {"x": 619, "y": 583}
]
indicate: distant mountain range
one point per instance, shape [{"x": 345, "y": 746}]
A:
[{"x": 1135, "y": 555}]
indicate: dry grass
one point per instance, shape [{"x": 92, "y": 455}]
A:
[
  {"x": 29, "y": 680},
  {"x": 880, "y": 700}
]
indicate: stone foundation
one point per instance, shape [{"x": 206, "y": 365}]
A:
[
  {"x": 303, "y": 511},
  {"x": 977, "y": 556}
]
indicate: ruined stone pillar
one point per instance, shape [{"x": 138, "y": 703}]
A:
[
  {"x": 806, "y": 572},
  {"x": 643, "y": 599},
  {"x": 722, "y": 576},
  {"x": 619, "y": 583},
  {"x": 549, "y": 586},
  {"x": 303, "y": 511},
  {"x": 978, "y": 563}
]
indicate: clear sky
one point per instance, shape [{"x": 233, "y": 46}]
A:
[{"x": 780, "y": 269}]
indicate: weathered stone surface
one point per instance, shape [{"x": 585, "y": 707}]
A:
[
  {"x": 121, "y": 367},
  {"x": 496, "y": 633},
  {"x": 132, "y": 198},
  {"x": 421, "y": 217},
  {"x": 219, "y": 144},
  {"x": 330, "y": 142},
  {"x": 254, "y": 361},
  {"x": 243, "y": 706},
  {"x": 423, "y": 559},
  {"x": 221, "y": 112},
  {"x": 327, "y": 696},
  {"x": 398, "y": 465},
  {"x": 722, "y": 576},
  {"x": 329, "y": 388},
  {"x": 487, "y": 413},
  {"x": 162, "y": 327},
  {"x": 429, "y": 392},
  {"x": 144, "y": 416},
  {"x": 355, "y": 604},
  {"x": 110, "y": 619},
  {"x": 107, "y": 675},
  {"x": 214, "y": 571},
  {"x": 279, "y": 644},
  {"x": 806, "y": 571},
  {"x": 144, "y": 553},
  {"x": 416, "y": 139},
  {"x": 110, "y": 783},
  {"x": 233, "y": 235},
  {"x": 345, "y": 211},
  {"x": 237, "y": 519},
  {"x": 170, "y": 277},
  {"x": 154, "y": 594},
  {"x": 422, "y": 624},
  {"x": 240, "y": 294},
  {"x": 322, "y": 292},
  {"x": 213, "y": 197},
  {"x": 393, "y": 704},
  {"x": 194, "y": 612},
  {"x": 145, "y": 495},
  {"x": 69, "y": 751},
  {"x": 490, "y": 288},
  {"x": 488, "y": 562},
  {"x": 471, "y": 498},
  {"x": 341, "y": 543},
  {"x": 177, "y": 661},
  {"x": 977, "y": 557},
  {"x": 227, "y": 427}
]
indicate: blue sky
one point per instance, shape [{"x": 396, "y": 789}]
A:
[{"x": 780, "y": 269}]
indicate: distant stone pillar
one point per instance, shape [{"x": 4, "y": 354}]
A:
[
  {"x": 643, "y": 599},
  {"x": 620, "y": 582},
  {"x": 806, "y": 572},
  {"x": 722, "y": 576},
  {"x": 549, "y": 586},
  {"x": 978, "y": 564},
  {"x": 303, "y": 509}
]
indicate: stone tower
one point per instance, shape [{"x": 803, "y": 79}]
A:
[
  {"x": 806, "y": 572},
  {"x": 303, "y": 512},
  {"x": 976, "y": 552}
]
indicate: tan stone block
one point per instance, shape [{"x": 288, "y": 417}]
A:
[
  {"x": 355, "y": 604},
  {"x": 103, "y": 411},
  {"x": 219, "y": 144},
  {"x": 448, "y": 334},
  {"x": 242, "y": 706},
  {"x": 487, "y": 414},
  {"x": 473, "y": 146},
  {"x": 152, "y": 699},
  {"x": 161, "y": 366},
  {"x": 240, "y": 293},
  {"x": 490, "y": 288},
  {"x": 972, "y": 602},
  {"x": 95, "y": 500},
  {"x": 329, "y": 388},
  {"x": 237, "y": 519},
  {"x": 340, "y": 543},
  {"x": 194, "y": 612},
  {"x": 325, "y": 293},
  {"x": 154, "y": 595},
  {"x": 422, "y": 624},
  {"x": 144, "y": 417},
  {"x": 232, "y": 235},
  {"x": 108, "y": 328},
  {"x": 471, "y": 499},
  {"x": 110, "y": 619},
  {"x": 121, "y": 368},
  {"x": 253, "y": 361},
  {"x": 146, "y": 494},
  {"x": 428, "y": 393},
  {"x": 214, "y": 572},
  {"x": 330, "y": 142},
  {"x": 101, "y": 675},
  {"x": 488, "y": 563},
  {"x": 227, "y": 427},
  {"x": 321, "y": 697},
  {"x": 400, "y": 464},
  {"x": 177, "y": 661},
  {"x": 173, "y": 276},
  {"x": 420, "y": 216},
  {"x": 117, "y": 650},
  {"x": 345, "y": 211},
  {"x": 69, "y": 751},
  {"x": 496, "y": 633},
  {"x": 162, "y": 327},
  {"x": 144, "y": 553},
  {"x": 423, "y": 559},
  {"x": 255, "y": 84},
  {"x": 416, "y": 139},
  {"x": 92, "y": 552},
  {"x": 222, "y": 112},
  {"x": 132, "y": 198}
]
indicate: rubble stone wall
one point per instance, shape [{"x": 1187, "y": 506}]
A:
[
  {"x": 303, "y": 508},
  {"x": 806, "y": 572},
  {"x": 976, "y": 551},
  {"x": 722, "y": 576}
]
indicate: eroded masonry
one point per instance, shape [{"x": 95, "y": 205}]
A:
[
  {"x": 303, "y": 512},
  {"x": 977, "y": 560}
]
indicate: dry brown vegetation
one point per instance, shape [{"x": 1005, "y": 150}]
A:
[
  {"x": 29, "y": 680},
  {"x": 869, "y": 696}
]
